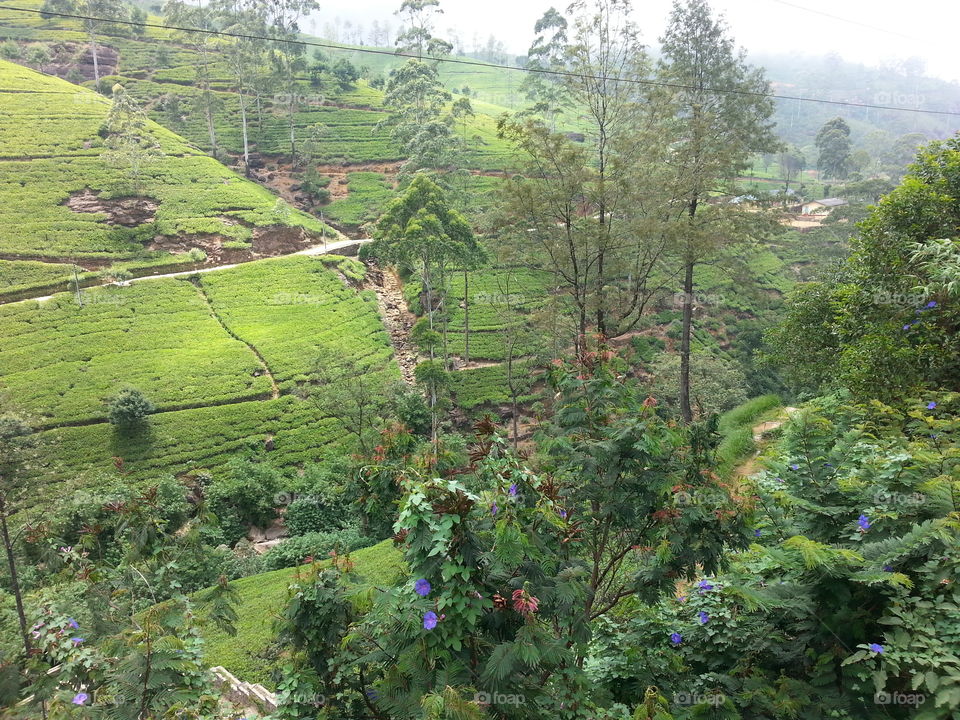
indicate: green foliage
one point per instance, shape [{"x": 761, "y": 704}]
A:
[
  {"x": 245, "y": 495},
  {"x": 303, "y": 549},
  {"x": 885, "y": 326},
  {"x": 717, "y": 384},
  {"x": 129, "y": 409},
  {"x": 323, "y": 509},
  {"x": 833, "y": 142}
]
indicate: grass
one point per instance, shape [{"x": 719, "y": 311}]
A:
[
  {"x": 262, "y": 597},
  {"x": 736, "y": 429},
  {"x": 299, "y": 313}
]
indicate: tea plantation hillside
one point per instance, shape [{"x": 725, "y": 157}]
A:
[
  {"x": 160, "y": 69},
  {"x": 60, "y": 201},
  {"x": 219, "y": 357}
]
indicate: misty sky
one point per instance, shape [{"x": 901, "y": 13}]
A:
[{"x": 922, "y": 28}]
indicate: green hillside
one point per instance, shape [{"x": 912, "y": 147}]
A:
[
  {"x": 61, "y": 201},
  {"x": 218, "y": 354}
]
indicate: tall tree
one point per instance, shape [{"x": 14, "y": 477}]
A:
[
  {"x": 96, "y": 14},
  {"x": 287, "y": 56},
  {"x": 833, "y": 142},
  {"x": 179, "y": 13},
  {"x": 588, "y": 212},
  {"x": 244, "y": 54},
  {"x": 15, "y": 439},
  {"x": 416, "y": 97},
  {"x": 421, "y": 231},
  {"x": 721, "y": 117},
  {"x": 547, "y": 54},
  {"x": 129, "y": 142}
]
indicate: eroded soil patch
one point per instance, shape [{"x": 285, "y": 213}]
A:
[{"x": 128, "y": 211}]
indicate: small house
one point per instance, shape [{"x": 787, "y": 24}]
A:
[{"x": 821, "y": 207}]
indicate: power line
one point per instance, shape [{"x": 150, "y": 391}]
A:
[
  {"x": 476, "y": 63},
  {"x": 846, "y": 20}
]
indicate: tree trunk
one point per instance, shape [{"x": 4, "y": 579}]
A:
[
  {"x": 466, "y": 317},
  {"x": 14, "y": 579},
  {"x": 293, "y": 137},
  {"x": 207, "y": 103},
  {"x": 96, "y": 63},
  {"x": 246, "y": 144},
  {"x": 685, "y": 411}
]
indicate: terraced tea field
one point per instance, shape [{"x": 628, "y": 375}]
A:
[{"x": 218, "y": 356}]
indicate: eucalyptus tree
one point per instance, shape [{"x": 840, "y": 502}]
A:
[
  {"x": 588, "y": 212},
  {"x": 421, "y": 231},
  {"x": 247, "y": 19},
  {"x": 287, "y": 55},
  {"x": 16, "y": 439},
  {"x": 182, "y": 14},
  {"x": 129, "y": 143},
  {"x": 545, "y": 57},
  {"x": 720, "y": 117},
  {"x": 95, "y": 15},
  {"x": 417, "y": 99}
]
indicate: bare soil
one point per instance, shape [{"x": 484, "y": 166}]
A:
[
  {"x": 396, "y": 316},
  {"x": 128, "y": 212}
]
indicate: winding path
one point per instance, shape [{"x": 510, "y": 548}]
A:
[{"x": 321, "y": 249}]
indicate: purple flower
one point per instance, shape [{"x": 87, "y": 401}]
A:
[
  {"x": 429, "y": 620},
  {"x": 757, "y": 533},
  {"x": 76, "y": 641},
  {"x": 513, "y": 490},
  {"x": 887, "y": 568},
  {"x": 704, "y": 586},
  {"x": 80, "y": 698},
  {"x": 73, "y": 624},
  {"x": 494, "y": 509},
  {"x": 864, "y": 522},
  {"x": 422, "y": 587},
  {"x": 676, "y": 638},
  {"x": 931, "y": 405},
  {"x": 704, "y": 618},
  {"x": 932, "y": 304},
  {"x": 780, "y": 480},
  {"x": 876, "y": 647},
  {"x": 908, "y": 326},
  {"x": 794, "y": 466},
  {"x": 563, "y": 514},
  {"x": 682, "y": 598}
]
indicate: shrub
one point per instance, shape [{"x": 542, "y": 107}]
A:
[
  {"x": 317, "y": 512},
  {"x": 244, "y": 496},
  {"x": 293, "y": 551},
  {"x": 128, "y": 410}
]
